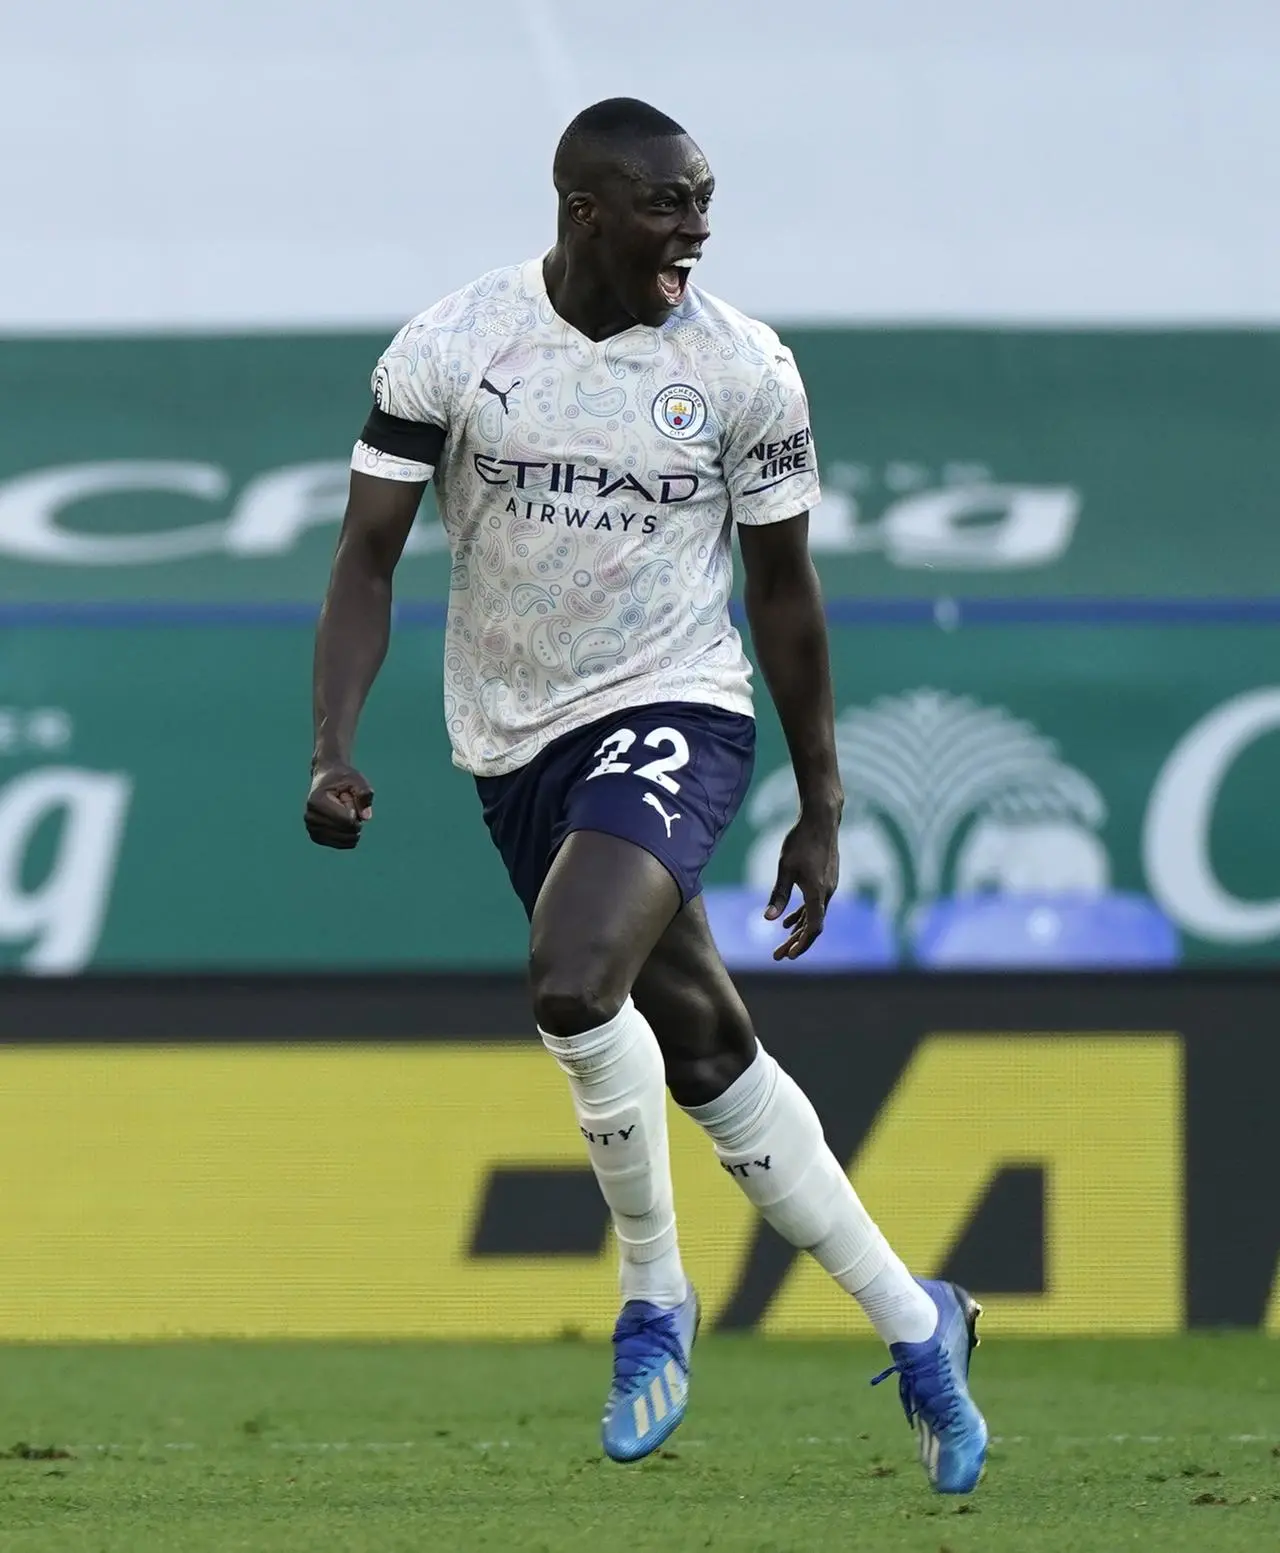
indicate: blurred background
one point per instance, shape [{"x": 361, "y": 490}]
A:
[{"x": 1026, "y": 257}]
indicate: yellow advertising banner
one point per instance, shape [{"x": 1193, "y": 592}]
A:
[{"x": 441, "y": 1190}]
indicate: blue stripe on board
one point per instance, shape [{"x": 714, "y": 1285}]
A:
[
  {"x": 947, "y": 612},
  {"x": 943, "y": 612},
  {"x": 130, "y": 614}
]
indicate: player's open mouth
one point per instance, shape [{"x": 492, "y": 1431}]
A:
[{"x": 673, "y": 279}]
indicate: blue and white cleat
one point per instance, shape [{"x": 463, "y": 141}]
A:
[
  {"x": 933, "y": 1382},
  {"x": 650, "y": 1388}
]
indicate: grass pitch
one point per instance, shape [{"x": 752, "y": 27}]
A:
[{"x": 343, "y": 1448}]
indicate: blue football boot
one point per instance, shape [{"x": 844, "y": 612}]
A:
[
  {"x": 650, "y": 1387},
  {"x": 933, "y": 1382}
]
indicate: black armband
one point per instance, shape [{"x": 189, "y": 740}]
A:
[{"x": 417, "y": 441}]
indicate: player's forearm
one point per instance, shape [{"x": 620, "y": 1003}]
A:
[
  {"x": 789, "y": 632},
  {"x": 351, "y": 642}
]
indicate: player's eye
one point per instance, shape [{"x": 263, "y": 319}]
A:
[{"x": 704, "y": 202}]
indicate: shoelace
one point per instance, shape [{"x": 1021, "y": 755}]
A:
[
  {"x": 926, "y": 1386},
  {"x": 634, "y": 1341}
]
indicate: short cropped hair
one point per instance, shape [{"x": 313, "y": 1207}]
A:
[{"x": 609, "y": 127}]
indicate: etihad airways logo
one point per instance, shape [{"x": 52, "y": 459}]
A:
[{"x": 522, "y": 474}]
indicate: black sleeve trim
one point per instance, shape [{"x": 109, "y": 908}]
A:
[{"x": 418, "y": 441}]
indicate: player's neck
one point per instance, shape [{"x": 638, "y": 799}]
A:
[{"x": 581, "y": 299}]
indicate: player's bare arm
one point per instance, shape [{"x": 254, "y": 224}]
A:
[
  {"x": 351, "y": 643},
  {"x": 789, "y": 630}
]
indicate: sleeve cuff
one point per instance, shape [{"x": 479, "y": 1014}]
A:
[
  {"x": 386, "y": 466},
  {"x": 776, "y": 503}
]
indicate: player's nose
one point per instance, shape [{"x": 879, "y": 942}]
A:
[{"x": 695, "y": 226}]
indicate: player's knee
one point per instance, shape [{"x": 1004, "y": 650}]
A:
[
  {"x": 570, "y": 998},
  {"x": 571, "y": 1009}
]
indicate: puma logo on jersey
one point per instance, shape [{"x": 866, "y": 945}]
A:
[
  {"x": 500, "y": 394},
  {"x": 667, "y": 819}
]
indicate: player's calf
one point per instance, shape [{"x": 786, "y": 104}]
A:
[{"x": 689, "y": 998}]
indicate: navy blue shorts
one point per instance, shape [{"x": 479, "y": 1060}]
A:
[{"x": 668, "y": 777}]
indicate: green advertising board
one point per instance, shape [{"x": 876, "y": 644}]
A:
[
  {"x": 1055, "y": 549},
  {"x": 152, "y": 781},
  {"x": 954, "y": 462}
]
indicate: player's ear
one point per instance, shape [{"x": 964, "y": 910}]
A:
[{"x": 583, "y": 212}]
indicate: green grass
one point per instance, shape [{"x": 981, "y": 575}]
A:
[{"x": 346, "y": 1448}]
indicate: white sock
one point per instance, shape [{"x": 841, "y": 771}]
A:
[
  {"x": 769, "y": 1139},
  {"x": 619, "y": 1089}
]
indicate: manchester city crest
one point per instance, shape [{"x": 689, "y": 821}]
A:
[{"x": 680, "y": 412}]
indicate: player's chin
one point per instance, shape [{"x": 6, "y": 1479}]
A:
[{"x": 652, "y": 307}]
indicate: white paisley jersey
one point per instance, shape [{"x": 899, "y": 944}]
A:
[{"x": 589, "y": 490}]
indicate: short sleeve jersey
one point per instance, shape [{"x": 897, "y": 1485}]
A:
[{"x": 588, "y": 490}]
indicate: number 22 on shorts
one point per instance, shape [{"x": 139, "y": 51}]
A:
[{"x": 618, "y": 744}]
